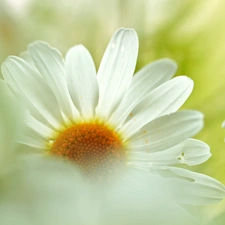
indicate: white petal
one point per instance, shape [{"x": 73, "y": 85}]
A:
[
  {"x": 82, "y": 81},
  {"x": 36, "y": 134},
  {"x": 191, "y": 152},
  {"x": 167, "y": 131},
  {"x": 26, "y": 56},
  {"x": 50, "y": 64},
  {"x": 192, "y": 188},
  {"x": 145, "y": 81},
  {"x": 33, "y": 90},
  {"x": 165, "y": 99},
  {"x": 116, "y": 70}
]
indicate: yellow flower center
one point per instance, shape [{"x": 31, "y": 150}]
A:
[{"x": 93, "y": 147}]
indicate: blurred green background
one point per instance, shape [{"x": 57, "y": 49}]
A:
[{"x": 190, "y": 32}]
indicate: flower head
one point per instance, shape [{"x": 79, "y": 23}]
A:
[{"x": 112, "y": 118}]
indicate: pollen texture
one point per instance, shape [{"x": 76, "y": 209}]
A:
[{"x": 94, "y": 148}]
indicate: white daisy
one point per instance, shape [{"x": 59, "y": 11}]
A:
[
  {"x": 114, "y": 118},
  {"x": 42, "y": 191}
]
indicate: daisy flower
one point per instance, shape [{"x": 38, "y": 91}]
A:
[
  {"x": 113, "y": 119},
  {"x": 39, "y": 190}
]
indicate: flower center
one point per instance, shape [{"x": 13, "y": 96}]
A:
[{"x": 94, "y": 148}]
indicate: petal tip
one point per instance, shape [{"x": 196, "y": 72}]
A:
[
  {"x": 129, "y": 32},
  {"x": 38, "y": 43}
]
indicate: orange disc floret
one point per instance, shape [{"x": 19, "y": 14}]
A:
[{"x": 93, "y": 147}]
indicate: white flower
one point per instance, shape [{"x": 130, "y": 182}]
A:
[
  {"x": 42, "y": 191},
  {"x": 114, "y": 118}
]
